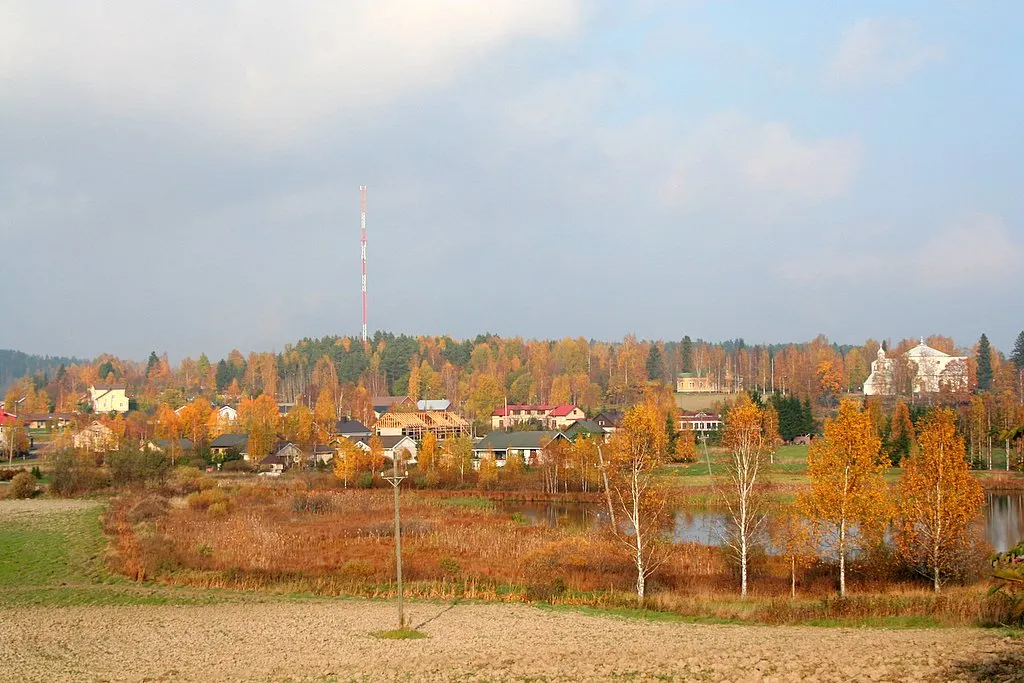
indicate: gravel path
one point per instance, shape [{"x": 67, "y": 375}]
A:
[{"x": 326, "y": 641}]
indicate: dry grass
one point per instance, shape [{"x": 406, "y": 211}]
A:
[{"x": 271, "y": 538}]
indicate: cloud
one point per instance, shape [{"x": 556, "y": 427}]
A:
[
  {"x": 978, "y": 248},
  {"x": 258, "y": 69},
  {"x": 736, "y": 163},
  {"x": 880, "y": 51}
]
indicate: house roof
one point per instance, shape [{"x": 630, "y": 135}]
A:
[
  {"x": 433, "y": 404},
  {"x": 274, "y": 459},
  {"x": 351, "y": 427},
  {"x": 503, "y": 441},
  {"x": 388, "y": 401},
  {"x": 431, "y": 419},
  {"x": 922, "y": 350},
  {"x": 230, "y": 441},
  {"x": 109, "y": 387},
  {"x": 612, "y": 417},
  {"x": 7, "y": 418},
  {"x": 584, "y": 427},
  {"x": 698, "y": 415},
  {"x": 388, "y": 442},
  {"x": 562, "y": 410}
]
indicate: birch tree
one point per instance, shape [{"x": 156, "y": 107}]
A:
[
  {"x": 637, "y": 448},
  {"x": 742, "y": 487},
  {"x": 939, "y": 501},
  {"x": 847, "y": 498}
]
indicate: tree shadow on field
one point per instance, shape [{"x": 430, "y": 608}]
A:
[
  {"x": 1005, "y": 666},
  {"x": 438, "y": 615}
]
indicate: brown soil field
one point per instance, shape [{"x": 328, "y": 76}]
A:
[{"x": 333, "y": 641}]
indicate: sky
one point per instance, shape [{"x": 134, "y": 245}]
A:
[{"x": 184, "y": 176}]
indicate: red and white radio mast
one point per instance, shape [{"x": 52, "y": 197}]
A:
[{"x": 362, "y": 227}]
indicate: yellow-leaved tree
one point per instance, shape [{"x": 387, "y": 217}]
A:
[
  {"x": 939, "y": 501},
  {"x": 348, "y": 460},
  {"x": 743, "y": 485},
  {"x": 260, "y": 419},
  {"x": 847, "y": 502},
  {"x": 637, "y": 448}
]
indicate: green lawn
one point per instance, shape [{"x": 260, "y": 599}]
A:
[{"x": 52, "y": 556}]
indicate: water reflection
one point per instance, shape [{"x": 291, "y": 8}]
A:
[{"x": 1004, "y": 519}]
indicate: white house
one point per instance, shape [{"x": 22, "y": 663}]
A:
[
  {"x": 404, "y": 446},
  {"x": 932, "y": 371},
  {"x": 108, "y": 398}
]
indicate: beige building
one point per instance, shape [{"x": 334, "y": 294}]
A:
[
  {"x": 108, "y": 398},
  {"x": 96, "y": 438},
  {"x": 692, "y": 383}
]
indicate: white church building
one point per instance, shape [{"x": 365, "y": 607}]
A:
[{"x": 932, "y": 370}]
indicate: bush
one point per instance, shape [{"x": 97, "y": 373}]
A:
[
  {"x": 184, "y": 480},
  {"x": 148, "y": 509},
  {"x": 236, "y": 466},
  {"x": 206, "y": 500},
  {"x": 132, "y": 466},
  {"x": 36, "y": 472},
  {"x": 364, "y": 480},
  {"x": 76, "y": 473},
  {"x": 317, "y": 503},
  {"x": 23, "y": 485},
  {"x": 6, "y": 474}
]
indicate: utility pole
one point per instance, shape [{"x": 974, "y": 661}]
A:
[{"x": 396, "y": 480}]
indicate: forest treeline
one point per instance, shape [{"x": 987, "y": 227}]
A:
[{"x": 480, "y": 374}]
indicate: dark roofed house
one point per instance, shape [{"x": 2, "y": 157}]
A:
[
  {"x": 609, "y": 420},
  {"x": 239, "y": 443},
  {"x": 351, "y": 429},
  {"x": 164, "y": 445},
  {"x": 528, "y": 445},
  {"x": 587, "y": 428}
]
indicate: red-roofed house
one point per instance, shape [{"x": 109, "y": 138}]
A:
[{"x": 548, "y": 416}]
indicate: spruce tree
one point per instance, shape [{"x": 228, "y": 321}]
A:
[
  {"x": 1018, "y": 352},
  {"x": 984, "y": 364},
  {"x": 686, "y": 351},
  {"x": 655, "y": 365}
]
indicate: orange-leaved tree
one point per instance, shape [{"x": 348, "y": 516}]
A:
[
  {"x": 637, "y": 449},
  {"x": 168, "y": 426},
  {"x": 847, "y": 501},
  {"x": 742, "y": 487},
  {"x": 259, "y": 418},
  {"x": 939, "y": 501}
]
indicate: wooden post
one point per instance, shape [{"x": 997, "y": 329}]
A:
[{"x": 395, "y": 480}]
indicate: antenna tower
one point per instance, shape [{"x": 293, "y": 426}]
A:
[{"x": 362, "y": 228}]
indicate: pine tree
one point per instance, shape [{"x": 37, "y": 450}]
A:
[
  {"x": 1018, "y": 352},
  {"x": 984, "y": 360}
]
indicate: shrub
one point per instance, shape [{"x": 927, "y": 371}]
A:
[
  {"x": 184, "y": 480},
  {"x": 205, "y": 500},
  {"x": 236, "y": 466},
  {"x": 36, "y": 472},
  {"x": 132, "y": 466},
  {"x": 148, "y": 509},
  {"x": 23, "y": 485},
  {"x": 317, "y": 503},
  {"x": 6, "y": 474},
  {"x": 76, "y": 473},
  {"x": 364, "y": 480}
]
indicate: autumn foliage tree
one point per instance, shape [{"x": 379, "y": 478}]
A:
[
  {"x": 939, "y": 501},
  {"x": 637, "y": 449},
  {"x": 847, "y": 500},
  {"x": 743, "y": 486},
  {"x": 259, "y": 418}
]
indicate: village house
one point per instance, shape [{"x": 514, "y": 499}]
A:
[
  {"x": 695, "y": 383},
  {"x": 401, "y": 445},
  {"x": 45, "y": 420},
  {"x": 699, "y": 421},
  {"x": 527, "y": 445},
  {"x": 177, "y": 446},
  {"x": 95, "y": 438},
  {"x": 226, "y": 444},
  {"x": 609, "y": 420},
  {"x": 350, "y": 429},
  {"x": 108, "y": 398},
  {"x": 550, "y": 417},
  {"x": 586, "y": 429}
]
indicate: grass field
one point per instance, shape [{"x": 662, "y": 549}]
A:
[{"x": 702, "y": 401}]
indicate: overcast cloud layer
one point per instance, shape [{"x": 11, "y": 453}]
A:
[{"x": 184, "y": 176}]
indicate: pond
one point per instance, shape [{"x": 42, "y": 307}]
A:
[{"x": 1004, "y": 519}]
